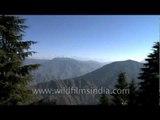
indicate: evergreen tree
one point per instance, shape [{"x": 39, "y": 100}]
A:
[
  {"x": 122, "y": 98},
  {"x": 149, "y": 86},
  {"x": 132, "y": 96},
  {"x": 104, "y": 100},
  {"x": 14, "y": 76}
]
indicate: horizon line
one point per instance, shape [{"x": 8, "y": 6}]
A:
[{"x": 86, "y": 59}]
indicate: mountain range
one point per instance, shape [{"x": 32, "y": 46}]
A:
[
  {"x": 105, "y": 76},
  {"x": 60, "y": 68}
]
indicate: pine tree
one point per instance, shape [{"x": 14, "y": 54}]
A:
[
  {"x": 122, "y": 98},
  {"x": 149, "y": 86},
  {"x": 104, "y": 100},
  {"x": 14, "y": 76},
  {"x": 132, "y": 96}
]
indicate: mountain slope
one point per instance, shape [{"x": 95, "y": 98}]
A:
[
  {"x": 105, "y": 76},
  {"x": 61, "y": 68}
]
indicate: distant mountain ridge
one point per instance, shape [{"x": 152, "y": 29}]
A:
[
  {"x": 61, "y": 68},
  {"x": 105, "y": 76}
]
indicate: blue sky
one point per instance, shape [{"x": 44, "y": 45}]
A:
[{"x": 102, "y": 38}]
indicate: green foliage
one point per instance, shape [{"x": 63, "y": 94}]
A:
[
  {"x": 14, "y": 77},
  {"x": 121, "y": 99},
  {"x": 149, "y": 86}
]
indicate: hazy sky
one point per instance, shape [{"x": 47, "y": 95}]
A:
[{"x": 95, "y": 37}]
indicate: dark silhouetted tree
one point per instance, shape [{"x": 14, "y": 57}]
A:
[
  {"x": 122, "y": 85},
  {"x": 149, "y": 85},
  {"x": 132, "y": 96},
  {"x": 104, "y": 100},
  {"x": 14, "y": 76}
]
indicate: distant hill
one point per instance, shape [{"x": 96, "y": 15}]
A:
[
  {"x": 61, "y": 68},
  {"x": 105, "y": 76}
]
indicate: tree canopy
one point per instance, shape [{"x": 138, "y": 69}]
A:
[
  {"x": 149, "y": 85},
  {"x": 14, "y": 76}
]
